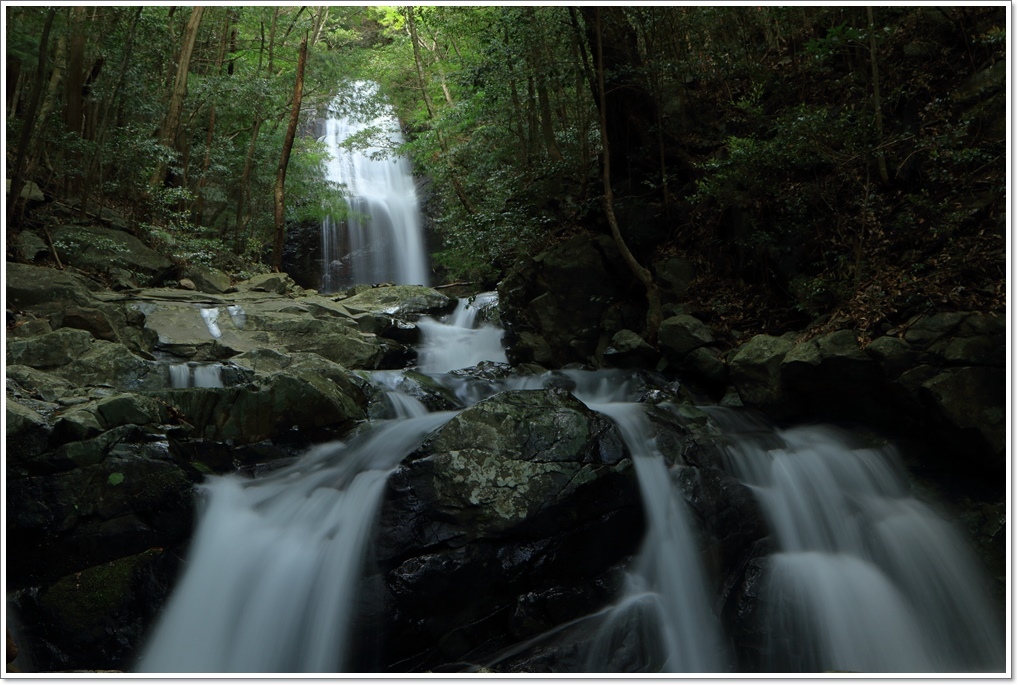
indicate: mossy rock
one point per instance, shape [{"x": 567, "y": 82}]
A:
[{"x": 89, "y": 603}]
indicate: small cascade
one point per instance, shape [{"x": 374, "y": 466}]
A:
[
  {"x": 864, "y": 578},
  {"x": 210, "y": 315},
  {"x": 381, "y": 238},
  {"x": 196, "y": 375},
  {"x": 666, "y": 595},
  {"x": 867, "y": 578},
  {"x": 458, "y": 342},
  {"x": 275, "y": 562}
]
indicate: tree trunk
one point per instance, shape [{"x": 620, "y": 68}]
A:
[
  {"x": 199, "y": 211},
  {"x": 878, "y": 119},
  {"x": 423, "y": 82},
  {"x": 284, "y": 158},
  {"x": 644, "y": 275},
  {"x": 245, "y": 181},
  {"x": 415, "y": 42},
  {"x": 17, "y": 182},
  {"x": 172, "y": 123},
  {"x": 95, "y": 162}
]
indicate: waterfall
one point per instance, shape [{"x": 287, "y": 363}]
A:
[
  {"x": 458, "y": 342},
  {"x": 864, "y": 577},
  {"x": 867, "y": 578},
  {"x": 666, "y": 588},
  {"x": 381, "y": 238},
  {"x": 196, "y": 375},
  {"x": 275, "y": 562}
]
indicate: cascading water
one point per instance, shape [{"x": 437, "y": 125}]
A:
[
  {"x": 666, "y": 586},
  {"x": 381, "y": 238},
  {"x": 196, "y": 375},
  {"x": 867, "y": 578},
  {"x": 275, "y": 562},
  {"x": 459, "y": 342}
]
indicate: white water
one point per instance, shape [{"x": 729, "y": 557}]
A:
[
  {"x": 666, "y": 585},
  {"x": 275, "y": 563},
  {"x": 196, "y": 375},
  {"x": 210, "y": 315},
  {"x": 868, "y": 578},
  {"x": 382, "y": 237},
  {"x": 458, "y": 342}
]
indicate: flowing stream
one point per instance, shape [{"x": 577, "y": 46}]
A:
[
  {"x": 381, "y": 238},
  {"x": 864, "y": 576}
]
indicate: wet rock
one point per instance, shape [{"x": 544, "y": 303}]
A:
[
  {"x": 279, "y": 284},
  {"x": 554, "y": 306},
  {"x": 38, "y": 287},
  {"x": 972, "y": 399},
  {"x": 894, "y": 355},
  {"x": 628, "y": 350},
  {"x": 113, "y": 365},
  {"x": 680, "y": 335},
  {"x": 94, "y": 618},
  {"x": 401, "y": 300},
  {"x": 508, "y": 497},
  {"x": 206, "y": 279},
  {"x": 309, "y": 393},
  {"x": 90, "y": 319},
  {"x": 27, "y": 432}
]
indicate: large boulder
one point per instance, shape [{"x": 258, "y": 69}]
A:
[
  {"x": 36, "y": 287},
  {"x": 756, "y": 370},
  {"x": 564, "y": 305},
  {"x": 103, "y": 250},
  {"x": 506, "y": 502},
  {"x": 206, "y": 279},
  {"x": 309, "y": 393},
  {"x": 49, "y": 350},
  {"x": 971, "y": 400},
  {"x": 399, "y": 300}
]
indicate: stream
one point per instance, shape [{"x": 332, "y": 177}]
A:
[{"x": 863, "y": 576}]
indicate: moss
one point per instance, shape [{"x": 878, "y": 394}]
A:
[{"x": 85, "y": 603}]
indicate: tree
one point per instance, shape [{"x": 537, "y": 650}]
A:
[
  {"x": 17, "y": 181},
  {"x": 642, "y": 273},
  {"x": 284, "y": 158},
  {"x": 168, "y": 134}
]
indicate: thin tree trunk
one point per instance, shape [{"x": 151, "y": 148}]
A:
[
  {"x": 245, "y": 180},
  {"x": 95, "y": 162},
  {"x": 422, "y": 81},
  {"x": 284, "y": 159},
  {"x": 199, "y": 210},
  {"x": 169, "y": 132},
  {"x": 878, "y": 119},
  {"x": 644, "y": 275},
  {"x": 418, "y": 63},
  {"x": 17, "y": 181}
]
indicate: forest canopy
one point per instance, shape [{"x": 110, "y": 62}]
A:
[{"x": 839, "y": 162}]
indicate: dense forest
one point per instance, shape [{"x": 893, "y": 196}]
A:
[
  {"x": 816, "y": 164},
  {"x": 837, "y": 161}
]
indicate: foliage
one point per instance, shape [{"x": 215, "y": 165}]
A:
[{"x": 752, "y": 142}]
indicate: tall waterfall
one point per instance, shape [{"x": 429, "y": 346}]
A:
[{"x": 381, "y": 238}]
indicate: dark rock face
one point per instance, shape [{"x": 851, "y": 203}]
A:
[
  {"x": 490, "y": 531},
  {"x": 553, "y": 306},
  {"x": 942, "y": 379}
]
